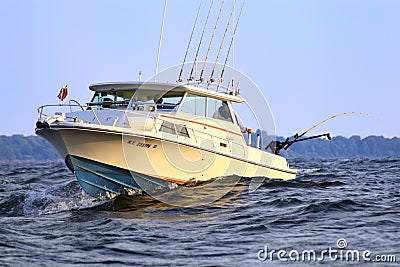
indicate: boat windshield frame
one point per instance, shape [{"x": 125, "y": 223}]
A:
[{"x": 154, "y": 97}]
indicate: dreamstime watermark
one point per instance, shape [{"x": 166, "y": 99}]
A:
[{"x": 338, "y": 253}]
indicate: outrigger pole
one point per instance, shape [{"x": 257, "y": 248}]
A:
[{"x": 161, "y": 35}]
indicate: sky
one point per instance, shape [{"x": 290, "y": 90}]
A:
[{"x": 312, "y": 59}]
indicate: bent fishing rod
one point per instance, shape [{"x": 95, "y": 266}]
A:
[{"x": 276, "y": 146}]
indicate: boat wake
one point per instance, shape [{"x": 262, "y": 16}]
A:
[{"x": 57, "y": 198}]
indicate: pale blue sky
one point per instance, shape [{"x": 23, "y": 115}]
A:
[{"x": 312, "y": 59}]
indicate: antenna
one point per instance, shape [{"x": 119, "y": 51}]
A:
[
  {"x": 190, "y": 40},
  {"x": 229, "y": 49},
  {"x": 161, "y": 35},
  {"x": 209, "y": 45},
  {"x": 222, "y": 42},
  {"x": 201, "y": 39}
]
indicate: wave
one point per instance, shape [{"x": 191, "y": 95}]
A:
[
  {"x": 297, "y": 183},
  {"x": 58, "y": 198},
  {"x": 333, "y": 206}
]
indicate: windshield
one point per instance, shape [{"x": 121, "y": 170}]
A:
[
  {"x": 158, "y": 100},
  {"x": 207, "y": 107},
  {"x": 111, "y": 99}
]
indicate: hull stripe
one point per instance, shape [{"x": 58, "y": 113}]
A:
[
  {"x": 106, "y": 177},
  {"x": 83, "y": 128},
  {"x": 106, "y": 189}
]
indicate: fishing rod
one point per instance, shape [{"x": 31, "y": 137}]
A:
[
  {"x": 297, "y": 136},
  {"x": 198, "y": 48},
  {"x": 222, "y": 42},
  {"x": 190, "y": 40},
  {"x": 229, "y": 49},
  {"x": 201, "y": 79},
  {"x": 276, "y": 146}
]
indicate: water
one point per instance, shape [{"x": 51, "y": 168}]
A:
[{"x": 46, "y": 220}]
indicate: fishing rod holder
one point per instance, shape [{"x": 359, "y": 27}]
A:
[{"x": 276, "y": 146}]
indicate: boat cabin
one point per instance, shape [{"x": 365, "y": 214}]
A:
[{"x": 165, "y": 98}]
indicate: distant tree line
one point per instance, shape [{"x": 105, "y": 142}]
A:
[
  {"x": 19, "y": 147},
  {"x": 342, "y": 147}
]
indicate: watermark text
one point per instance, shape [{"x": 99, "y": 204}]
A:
[{"x": 338, "y": 253}]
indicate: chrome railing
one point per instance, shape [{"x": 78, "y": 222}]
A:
[
  {"x": 195, "y": 133},
  {"x": 42, "y": 116}
]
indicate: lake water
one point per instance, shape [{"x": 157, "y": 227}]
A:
[{"x": 337, "y": 212}]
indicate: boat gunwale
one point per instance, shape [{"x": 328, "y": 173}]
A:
[{"x": 103, "y": 129}]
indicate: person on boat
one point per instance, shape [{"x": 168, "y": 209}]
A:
[
  {"x": 159, "y": 103},
  {"x": 107, "y": 102},
  {"x": 223, "y": 112}
]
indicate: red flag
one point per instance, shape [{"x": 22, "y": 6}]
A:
[{"x": 63, "y": 93}]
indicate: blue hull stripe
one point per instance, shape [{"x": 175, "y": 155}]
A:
[
  {"x": 98, "y": 178},
  {"x": 108, "y": 178},
  {"x": 102, "y": 189}
]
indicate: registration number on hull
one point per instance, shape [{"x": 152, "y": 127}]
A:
[{"x": 141, "y": 144}]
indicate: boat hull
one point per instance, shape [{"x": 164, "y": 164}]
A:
[
  {"x": 103, "y": 180},
  {"x": 107, "y": 162}
]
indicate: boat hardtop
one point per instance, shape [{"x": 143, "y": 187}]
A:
[{"x": 127, "y": 89}]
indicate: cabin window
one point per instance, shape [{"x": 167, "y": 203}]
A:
[
  {"x": 219, "y": 110},
  {"x": 169, "y": 101},
  {"x": 168, "y": 127},
  {"x": 108, "y": 100},
  {"x": 165, "y": 101},
  {"x": 172, "y": 128},
  {"x": 194, "y": 104}
]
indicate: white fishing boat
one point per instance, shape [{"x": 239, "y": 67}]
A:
[
  {"x": 146, "y": 136},
  {"x": 135, "y": 135}
]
